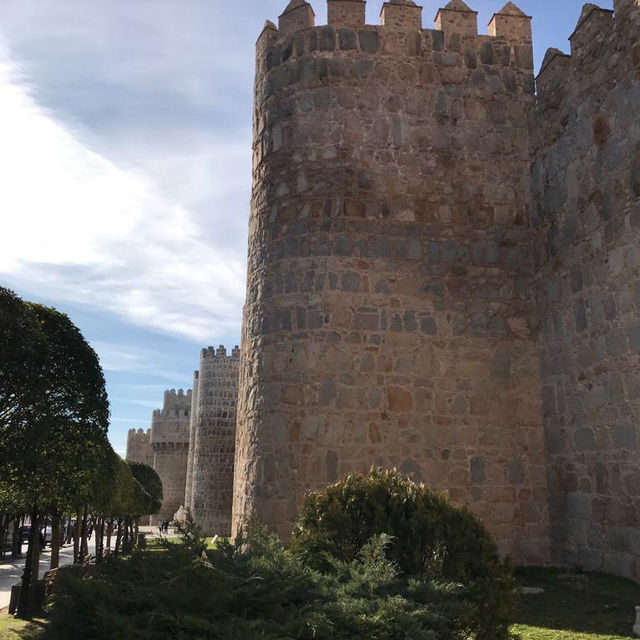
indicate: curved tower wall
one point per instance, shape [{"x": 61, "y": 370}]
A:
[
  {"x": 214, "y": 445},
  {"x": 170, "y": 443},
  {"x": 390, "y": 316},
  {"x": 188, "y": 492}
]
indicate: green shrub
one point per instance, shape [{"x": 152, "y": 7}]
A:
[
  {"x": 431, "y": 540},
  {"x": 256, "y": 590},
  {"x": 191, "y": 536}
]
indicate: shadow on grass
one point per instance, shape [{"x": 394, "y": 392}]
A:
[
  {"x": 579, "y": 602},
  {"x": 15, "y": 629}
]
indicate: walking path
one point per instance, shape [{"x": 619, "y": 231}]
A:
[{"x": 11, "y": 568}]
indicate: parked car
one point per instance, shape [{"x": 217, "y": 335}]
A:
[
  {"x": 46, "y": 534},
  {"x": 25, "y": 533}
]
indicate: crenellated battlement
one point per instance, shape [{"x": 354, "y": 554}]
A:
[
  {"x": 401, "y": 14},
  {"x": 456, "y": 17},
  {"x": 220, "y": 353},
  {"x": 176, "y": 403},
  {"x": 600, "y": 48},
  {"x": 296, "y": 17},
  {"x": 138, "y": 434},
  {"x": 594, "y": 27},
  {"x": 512, "y": 24},
  {"x": 346, "y": 13},
  {"x": 171, "y": 423},
  {"x": 312, "y": 69}
]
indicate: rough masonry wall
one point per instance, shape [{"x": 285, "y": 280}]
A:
[
  {"x": 586, "y": 185},
  {"x": 193, "y": 418},
  {"x": 170, "y": 442},
  {"x": 139, "y": 447},
  {"x": 390, "y": 315},
  {"x": 214, "y": 441}
]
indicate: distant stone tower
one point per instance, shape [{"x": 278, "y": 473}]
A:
[
  {"x": 170, "y": 442},
  {"x": 139, "y": 447},
  {"x": 213, "y": 433},
  {"x": 390, "y": 302}
]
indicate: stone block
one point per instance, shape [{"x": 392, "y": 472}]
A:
[
  {"x": 399, "y": 400},
  {"x": 624, "y": 435},
  {"x": 578, "y": 506},
  {"x": 477, "y": 470}
]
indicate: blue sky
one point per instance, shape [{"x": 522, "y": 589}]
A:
[{"x": 125, "y": 154}]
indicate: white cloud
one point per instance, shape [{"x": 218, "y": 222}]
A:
[
  {"x": 80, "y": 227},
  {"x": 120, "y": 358}
]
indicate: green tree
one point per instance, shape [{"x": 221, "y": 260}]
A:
[
  {"x": 23, "y": 342},
  {"x": 53, "y": 418},
  {"x": 152, "y": 485}
]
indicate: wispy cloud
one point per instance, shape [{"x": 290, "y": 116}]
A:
[
  {"x": 120, "y": 358},
  {"x": 90, "y": 232}
]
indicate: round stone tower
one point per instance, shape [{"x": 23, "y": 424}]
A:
[
  {"x": 389, "y": 316},
  {"x": 213, "y": 448},
  {"x": 139, "y": 447}
]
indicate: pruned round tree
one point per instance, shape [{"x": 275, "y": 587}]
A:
[
  {"x": 431, "y": 540},
  {"x": 54, "y": 414}
]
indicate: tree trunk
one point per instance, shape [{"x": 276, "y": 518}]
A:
[
  {"x": 4, "y": 532},
  {"x": 109, "y": 532},
  {"x": 16, "y": 549},
  {"x": 56, "y": 540},
  {"x": 125, "y": 536},
  {"x": 84, "y": 547},
  {"x": 118, "y": 537},
  {"x": 77, "y": 532},
  {"x": 32, "y": 560},
  {"x": 99, "y": 524}
]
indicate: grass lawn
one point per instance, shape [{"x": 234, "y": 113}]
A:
[
  {"x": 576, "y": 606},
  {"x": 210, "y": 544},
  {"x": 13, "y": 629}
]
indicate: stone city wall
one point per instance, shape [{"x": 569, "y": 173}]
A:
[
  {"x": 586, "y": 191},
  {"x": 170, "y": 442},
  {"x": 390, "y": 302}
]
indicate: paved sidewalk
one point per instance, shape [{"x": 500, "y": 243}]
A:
[{"x": 11, "y": 568}]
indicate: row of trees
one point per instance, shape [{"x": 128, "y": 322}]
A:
[{"x": 55, "y": 459}]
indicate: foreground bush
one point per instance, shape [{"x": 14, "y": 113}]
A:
[
  {"x": 431, "y": 540},
  {"x": 264, "y": 592}
]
